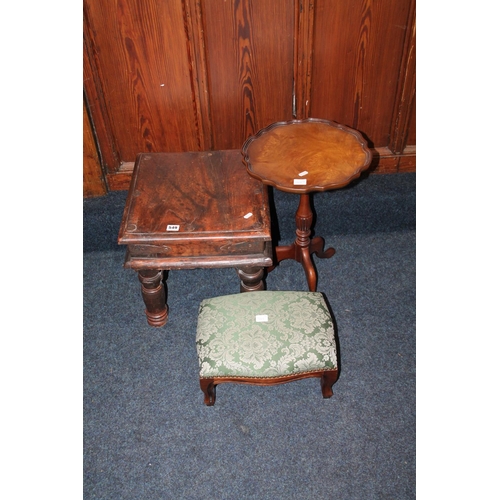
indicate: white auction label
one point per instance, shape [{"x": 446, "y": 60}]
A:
[
  {"x": 305, "y": 172},
  {"x": 261, "y": 318},
  {"x": 248, "y": 215},
  {"x": 300, "y": 182},
  {"x": 173, "y": 227}
]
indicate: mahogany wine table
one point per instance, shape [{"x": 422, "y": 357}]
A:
[
  {"x": 194, "y": 210},
  {"x": 303, "y": 156}
]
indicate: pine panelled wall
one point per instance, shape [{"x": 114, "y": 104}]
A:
[{"x": 195, "y": 75}]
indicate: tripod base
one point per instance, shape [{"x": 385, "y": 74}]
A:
[{"x": 302, "y": 255}]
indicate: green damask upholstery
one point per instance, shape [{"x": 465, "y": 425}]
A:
[{"x": 265, "y": 334}]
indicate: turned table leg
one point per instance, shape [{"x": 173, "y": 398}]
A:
[
  {"x": 251, "y": 278},
  {"x": 154, "y": 296},
  {"x": 303, "y": 246}
]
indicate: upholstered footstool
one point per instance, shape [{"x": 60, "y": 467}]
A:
[{"x": 265, "y": 338}]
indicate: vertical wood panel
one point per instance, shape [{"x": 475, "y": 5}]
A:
[
  {"x": 141, "y": 52},
  {"x": 404, "y": 108},
  {"x": 188, "y": 75},
  {"x": 304, "y": 30},
  {"x": 404, "y": 103},
  {"x": 358, "y": 48},
  {"x": 93, "y": 177},
  {"x": 250, "y": 66},
  {"x": 412, "y": 129},
  {"x": 96, "y": 104},
  {"x": 198, "y": 61}
]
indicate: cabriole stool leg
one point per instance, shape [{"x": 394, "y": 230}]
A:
[
  {"x": 208, "y": 387},
  {"x": 327, "y": 380}
]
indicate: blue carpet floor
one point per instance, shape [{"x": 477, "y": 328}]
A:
[{"x": 147, "y": 433}]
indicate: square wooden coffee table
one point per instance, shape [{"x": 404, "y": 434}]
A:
[{"x": 194, "y": 210}]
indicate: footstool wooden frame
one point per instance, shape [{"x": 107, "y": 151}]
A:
[{"x": 265, "y": 338}]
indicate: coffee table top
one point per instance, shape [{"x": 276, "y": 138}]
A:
[
  {"x": 194, "y": 197},
  {"x": 300, "y": 156}
]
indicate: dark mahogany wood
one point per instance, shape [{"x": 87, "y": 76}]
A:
[
  {"x": 302, "y": 248},
  {"x": 327, "y": 379},
  {"x": 251, "y": 279},
  {"x": 303, "y": 156},
  {"x": 154, "y": 296},
  {"x": 194, "y": 210}
]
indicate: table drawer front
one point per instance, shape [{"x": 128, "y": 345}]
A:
[{"x": 197, "y": 248}]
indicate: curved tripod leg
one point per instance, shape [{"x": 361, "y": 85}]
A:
[
  {"x": 317, "y": 246},
  {"x": 282, "y": 253},
  {"x": 307, "y": 264}
]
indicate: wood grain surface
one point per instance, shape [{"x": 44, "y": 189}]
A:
[
  {"x": 93, "y": 177},
  {"x": 358, "y": 53},
  {"x": 200, "y": 192},
  {"x": 250, "y": 66},
  {"x": 143, "y": 68},
  {"x": 304, "y": 156},
  {"x": 197, "y": 75}
]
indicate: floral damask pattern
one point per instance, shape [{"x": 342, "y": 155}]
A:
[{"x": 296, "y": 336}]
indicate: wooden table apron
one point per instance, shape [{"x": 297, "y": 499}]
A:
[{"x": 194, "y": 210}]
